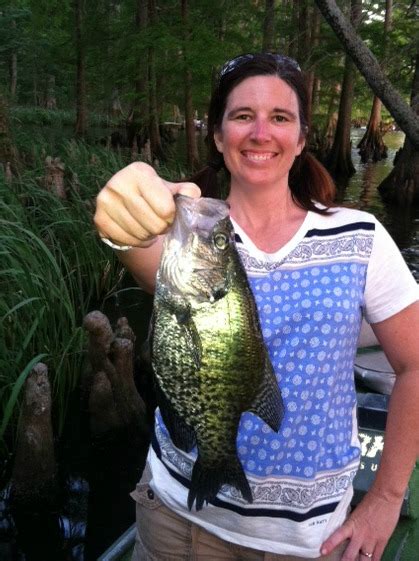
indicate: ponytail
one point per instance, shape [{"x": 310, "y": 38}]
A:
[
  {"x": 207, "y": 178},
  {"x": 310, "y": 182},
  {"x": 207, "y": 181}
]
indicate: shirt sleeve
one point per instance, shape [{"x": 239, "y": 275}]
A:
[{"x": 390, "y": 286}]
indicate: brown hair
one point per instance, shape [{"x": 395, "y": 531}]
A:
[{"x": 309, "y": 181}]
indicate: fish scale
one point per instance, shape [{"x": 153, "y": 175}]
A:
[{"x": 208, "y": 355}]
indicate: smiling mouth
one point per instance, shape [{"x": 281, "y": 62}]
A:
[{"x": 258, "y": 156}]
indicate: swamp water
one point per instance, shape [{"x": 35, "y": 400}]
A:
[
  {"x": 361, "y": 192},
  {"x": 117, "y": 471}
]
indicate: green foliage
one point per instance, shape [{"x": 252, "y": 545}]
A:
[
  {"x": 42, "y": 33},
  {"x": 24, "y": 115},
  {"x": 53, "y": 270}
]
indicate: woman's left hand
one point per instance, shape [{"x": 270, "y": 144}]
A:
[{"x": 367, "y": 529}]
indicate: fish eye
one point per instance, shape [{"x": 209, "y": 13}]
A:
[{"x": 220, "y": 241}]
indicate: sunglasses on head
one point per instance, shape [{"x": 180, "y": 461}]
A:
[{"x": 281, "y": 60}]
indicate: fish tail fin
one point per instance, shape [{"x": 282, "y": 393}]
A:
[{"x": 206, "y": 482}]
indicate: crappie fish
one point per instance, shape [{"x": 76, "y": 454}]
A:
[{"x": 207, "y": 351}]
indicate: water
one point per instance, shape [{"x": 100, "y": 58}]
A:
[{"x": 361, "y": 192}]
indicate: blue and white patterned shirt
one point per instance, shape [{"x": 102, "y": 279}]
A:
[{"x": 311, "y": 296}]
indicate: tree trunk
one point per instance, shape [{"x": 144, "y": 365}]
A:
[
  {"x": 80, "y": 129},
  {"x": 13, "y": 74},
  {"x": 137, "y": 123},
  {"x": 116, "y": 107},
  {"x": 401, "y": 186},
  {"x": 35, "y": 470},
  {"x": 322, "y": 138},
  {"x": 371, "y": 146},
  {"x": 303, "y": 34},
  {"x": 36, "y": 96},
  {"x": 268, "y": 42},
  {"x": 191, "y": 143},
  {"x": 51, "y": 101},
  {"x": 13, "y": 67},
  {"x": 118, "y": 425},
  {"x": 8, "y": 152},
  {"x": 339, "y": 160},
  {"x": 292, "y": 39},
  {"x": 155, "y": 139},
  {"x": 367, "y": 64},
  {"x": 36, "y": 496},
  {"x": 315, "y": 94},
  {"x": 314, "y": 81}
]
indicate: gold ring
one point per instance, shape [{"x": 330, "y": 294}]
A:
[{"x": 369, "y": 555}]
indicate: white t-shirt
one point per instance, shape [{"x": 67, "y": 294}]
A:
[{"x": 311, "y": 296}]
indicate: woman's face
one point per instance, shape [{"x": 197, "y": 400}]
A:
[{"x": 260, "y": 134}]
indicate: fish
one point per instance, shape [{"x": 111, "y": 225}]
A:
[{"x": 207, "y": 350}]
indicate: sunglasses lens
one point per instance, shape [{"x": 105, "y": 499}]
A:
[{"x": 236, "y": 62}]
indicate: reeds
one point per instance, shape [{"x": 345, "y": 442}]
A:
[{"x": 53, "y": 270}]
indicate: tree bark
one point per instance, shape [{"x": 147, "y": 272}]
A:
[
  {"x": 367, "y": 64},
  {"x": 112, "y": 353},
  {"x": 137, "y": 123},
  {"x": 303, "y": 33},
  {"x": 13, "y": 74},
  {"x": 34, "y": 476},
  {"x": 118, "y": 425},
  {"x": 292, "y": 39},
  {"x": 116, "y": 107},
  {"x": 51, "y": 100},
  {"x": 36, "y": 496},
  {"x": 371, "y": 146},
  {"x": 155, "y": 138},
  {"x": 268, "y": 42},
  {"x": 191, "y": 143},
  {"x": 8, "y": 152},
  {"x": 81, "y": 115},
  {"x": 401, "y": 186},
  {"x": 324, "y": 138},
  {"x": 313, "y": 43},
  {"x": 13, "y": 67},
  {"x": 339, "y": 160}
]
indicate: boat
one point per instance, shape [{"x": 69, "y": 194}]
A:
[{"x": 121, "y": 549}]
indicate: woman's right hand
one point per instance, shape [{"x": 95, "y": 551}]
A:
[{"x": 136, "y": 205}]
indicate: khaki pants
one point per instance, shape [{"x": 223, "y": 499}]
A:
[{"x": 162, "y": 535}]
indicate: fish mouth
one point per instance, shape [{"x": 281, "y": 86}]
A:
[{"x": 254, "y": 156}]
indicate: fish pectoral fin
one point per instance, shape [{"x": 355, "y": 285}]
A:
[
  {"x": 192, "y": 341},
  {"x": 268, "y": 403},
  {"x": 188, "y": 331},
  {"x": 182, "y": 435}
]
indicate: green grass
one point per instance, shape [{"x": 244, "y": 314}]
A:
[{"x": 53, "y": 270}]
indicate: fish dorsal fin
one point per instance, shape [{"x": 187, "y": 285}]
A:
[{"x": 268, "y": 403}]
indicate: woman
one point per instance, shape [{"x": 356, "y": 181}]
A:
[{"x": 314, "y": 270}]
